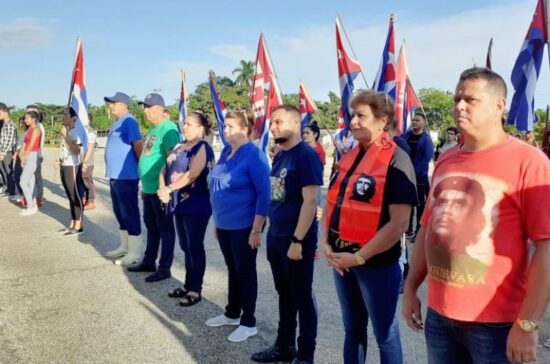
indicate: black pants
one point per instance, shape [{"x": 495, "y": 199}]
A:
[
  {"x": 422, "y": 189},
  {"x": 160, "y": 233},
  {"x": 69, "y": 177},
  {"x": 293, "y": 282},
  {"x": 6, "y": 172}
]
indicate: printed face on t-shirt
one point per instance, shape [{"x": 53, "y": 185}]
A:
[
  {"x": 450, "y": 212},
  {"x": 148, "y": 144},
  {"x": 364, "y": 188}
]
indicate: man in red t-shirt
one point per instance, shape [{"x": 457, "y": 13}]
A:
[{"x": 489, "y": 199}]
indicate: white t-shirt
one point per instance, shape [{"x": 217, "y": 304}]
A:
[
  {"x": 91, "y": 146},
  {"x": 67, "y": 157}
]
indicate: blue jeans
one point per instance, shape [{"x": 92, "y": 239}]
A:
[
  {"x": 124, "y": 197},
  {"x": 160, "y": 229},
  {"x": 365, "y": 292},
  {"x": 450, "y": 341},
  {"x": 242, "y": 287},
  {"x": 293, "y": 282},
  {"x": 191, "y": 230}
]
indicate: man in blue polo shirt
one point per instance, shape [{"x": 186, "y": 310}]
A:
[
  {"x": 296, "y": 176},
  {"x": 121, "y": 163}
]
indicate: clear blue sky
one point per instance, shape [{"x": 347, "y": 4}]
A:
[{"x": 139, "y": 46}]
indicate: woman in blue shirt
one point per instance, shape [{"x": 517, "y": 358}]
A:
[
  {"x": 184, "y": 190},
  {"x": 239, "y": 191}
]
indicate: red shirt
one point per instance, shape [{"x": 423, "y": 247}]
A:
[
  {"x": 321, "y": 153},
  {"x": 481, "y": 210},
  {"x": 28, "y": 137}
]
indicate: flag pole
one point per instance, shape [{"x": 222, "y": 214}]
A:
[
  {"x": 273, "y": 68},
  {"x": 352, "y": 50},
  {"x": 78, "y": 42}
]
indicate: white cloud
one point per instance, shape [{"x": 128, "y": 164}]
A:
[{"x": 24, "y": 33}]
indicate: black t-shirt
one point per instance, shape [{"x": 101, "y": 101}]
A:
[
  {"x": 400, "y": 188},
  {"x": 413, "y": 143},
  {"x": 291, "y": 171}
]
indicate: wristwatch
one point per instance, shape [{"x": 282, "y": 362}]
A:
[
  {"x": 359, "y": 259},
  {"x": 527, "y": 325},
  {"x": 296, "y": 240}
]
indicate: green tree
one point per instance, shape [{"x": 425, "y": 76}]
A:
[
  {"x": 438, "y": 105},
  {"x": 244, "y": 72},
  {"x": 327, "y": 116}
]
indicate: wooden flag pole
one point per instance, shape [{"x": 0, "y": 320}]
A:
[{"x": 352, "y": 50}]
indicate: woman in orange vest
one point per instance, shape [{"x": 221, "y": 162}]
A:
[{"x": 369, "y": 201}]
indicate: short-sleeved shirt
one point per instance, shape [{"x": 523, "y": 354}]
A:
[
  {"x": 321, "y": 153},
  {"x": 68, "y": 158},
  {"x": 399, "y": 189},
  {"x": 157, "y": 145},
  {"x": 120, "y": 158},
  {"x": 291, "y": 171},
  {"x": 482, "y": 209}
]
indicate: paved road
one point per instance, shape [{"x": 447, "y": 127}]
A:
[{"x": 62, "y": 301}]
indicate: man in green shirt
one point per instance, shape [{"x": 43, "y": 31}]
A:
[{"x": 160, "y": 229}]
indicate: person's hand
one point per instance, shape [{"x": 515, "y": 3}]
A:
[
  {"x": 329, "y": 254},
  {"x": 344, "y": 261},
  {"x": 521, "y": 346},
  {"x": 84, "y": 167},
  {"x": 63, "y": 130},
  {"x": 23, "y": 160},
  {"x": 319, "y": 214},
  {"x": 255, "y": 240},
  {"x": 295, "y": 251},
  {"x": 411, "y": 311},
  {"x": 1, "y": 157}
]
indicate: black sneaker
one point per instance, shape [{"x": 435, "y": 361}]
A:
[
  {"x": 74, "y": 232},
  {"x": 274, "y": 354},
  {"x": 158, "y": 276},
  {"x": 142, "y": 268}
]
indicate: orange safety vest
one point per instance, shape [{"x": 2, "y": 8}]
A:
[{"x": 362, "y": 200}]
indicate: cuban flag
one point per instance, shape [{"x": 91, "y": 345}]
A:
[
  {"x": 526, "y": 71},
  {"x": 411, "y": 103},
  {"x": 183, "y": 104},
  {"x": 78, "y": 100},
  {"x": 348, "y": 69},
  {"x": 307, "y": 104},
  {"x": 264, "y": 77},
  {"x": 272, "y": 102},
  {"x": 219, "y": 109},
  {"x": 385, "y": 77}
]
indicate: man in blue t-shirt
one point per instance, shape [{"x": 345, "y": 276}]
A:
[
  {"x": 122, "y": 153},
  {"x": 296, "y": 176}
]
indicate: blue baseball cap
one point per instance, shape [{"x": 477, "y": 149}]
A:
[
  {"x": 152, "y": 100},
  {"x": 119, "y": 97}
]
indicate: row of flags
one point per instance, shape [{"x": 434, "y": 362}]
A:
[{"x": 392, "y": 79}]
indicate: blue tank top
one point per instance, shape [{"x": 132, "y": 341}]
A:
[{"x": 193, "y": 198}]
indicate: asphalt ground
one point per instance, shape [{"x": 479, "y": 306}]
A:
[{"x": 62, "y": 301}]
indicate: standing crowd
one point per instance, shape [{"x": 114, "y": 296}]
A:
[{"x": 479, "y": 226}]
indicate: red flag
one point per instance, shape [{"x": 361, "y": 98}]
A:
[
  {"x": 264, "y": 77},
  {"x": 273, "y": 101},
  {"x": 401, "y": 74}
]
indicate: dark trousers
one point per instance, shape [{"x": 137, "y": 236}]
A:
[
  {"x": 6, "y": 171},
  {"x": 89, "y": 186},
  {"x": 38, "y": 178},
  {"x": 124, "y": 197},
  {"x": 160, "y": 230},
  {"x": 191, "y": 230},
  {"x": 242, "y": 287},
  {"x": 293, "y": 282},
  {"x": 456, "y": 342},
  {"x": 69, "y": 177},
  {"x": 18, "y": 169},
  {"x": 422, "y": 189}
]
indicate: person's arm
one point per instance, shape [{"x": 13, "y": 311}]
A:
[
  {"x": 88, "y": 155},
  {"x": 137, "y": 145},
  {"x": 522, "y": 345},
  {"x": 198, "y": 163},
  {"x": 428, "y": 151},
  {"x": 25, "y": 150},
  {"x": 71, "y": 144},
  {"x": 307, "y": 214},
  {"x": 418, "y": 269},
  {"x": 258, "y": 172},
  {"x": 6, "y": 137}
]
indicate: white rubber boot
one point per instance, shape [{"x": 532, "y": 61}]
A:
[
  {"x": 135, "y": 251},
  {"x": 122, "y": 250}
]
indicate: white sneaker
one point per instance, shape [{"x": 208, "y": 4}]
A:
[
  {"x": 15, "y": 197},
  {"x": 222, "y": 320},
  {"x": 29, "y": 211},
  {"x": 242, "y": 333}
]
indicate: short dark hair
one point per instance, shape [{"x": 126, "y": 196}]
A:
[
  {"x": 34, "y": 115},
  {"x": 288, "y": 108},
  {"x": 481, "y": 73},
  {"x": 453, "y": 129},
  {"x": 70, "y": 111}
]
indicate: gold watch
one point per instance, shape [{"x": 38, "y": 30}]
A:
[
  {"x": 527, "y": 325},
  {"x": 359, "y": 259}
]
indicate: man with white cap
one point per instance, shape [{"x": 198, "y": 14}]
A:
[{"x": 122, "y": 154}]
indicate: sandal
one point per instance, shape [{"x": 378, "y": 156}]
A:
[
  {"x": 190, "y": 300},
  {"x": 178, "y": 293}
]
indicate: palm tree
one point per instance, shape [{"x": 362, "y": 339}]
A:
[{"x": 244, "y": 73}]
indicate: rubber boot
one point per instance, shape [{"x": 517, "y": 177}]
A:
[
  {"x": 122, "y": 250},
  {"x": 135, "y": 251}
]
